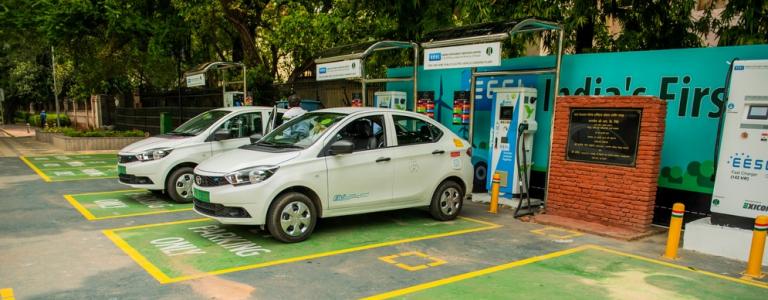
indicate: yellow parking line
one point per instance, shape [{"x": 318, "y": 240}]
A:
[
  {"x": 477, "y": 273},
  {"x": 34, "y": 168},
  {"x": 90, "y": 217},
  {"x": 6, "y": 294},
  {"x": 137, "y": 257},
  {"x": 671, "y": 265},
  {"x": 84, "y": 211},
  {"x": 110, "y": 192},
  {"x": 163, "y": 279}
]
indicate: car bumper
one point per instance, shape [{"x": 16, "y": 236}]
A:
[
  {"x": 144, "y": 175},
  {"x": 244, "y": 202}
]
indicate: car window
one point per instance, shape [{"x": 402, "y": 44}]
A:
[
  {"x": 243, "y": 125},
  {"x": 199, "y": 123},
  {"x": 366, "y": 133},
  {"x": 301, "y": 131},
  {"x": 410, "y": 130}
]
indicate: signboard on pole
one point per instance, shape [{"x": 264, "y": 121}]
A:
[
  {"x": 196, "y": 80},
  {"x": 339, "y": 70},
  {"x": 465, "y": 56}
]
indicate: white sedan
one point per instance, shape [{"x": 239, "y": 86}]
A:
[{"x": 336, "y": 162}]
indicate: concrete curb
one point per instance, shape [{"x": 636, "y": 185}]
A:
[{"x": 6, "y": 132}]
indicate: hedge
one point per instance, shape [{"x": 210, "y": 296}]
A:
[{"x": 50, "y": 119}]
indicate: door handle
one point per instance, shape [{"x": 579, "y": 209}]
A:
[
  {"x": 383, "y": 159},
  {"x": 438, "y": 152}
]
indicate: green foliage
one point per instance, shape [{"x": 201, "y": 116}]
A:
[
  {"x": 117, "y": 46},
  {"x": 67, "y": 131},
  {"x": 50, "y": 120}
]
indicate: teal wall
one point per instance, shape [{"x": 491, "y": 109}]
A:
[{"x": 691, "y": 80}]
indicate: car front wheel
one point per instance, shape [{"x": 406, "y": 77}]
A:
[
  {"x": 179, "y": 184},
  {"x": 447, "y": 201},
  {"x": 292, "y": 218}
]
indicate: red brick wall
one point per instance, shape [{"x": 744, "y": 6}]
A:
[{"x": 612, "y": 195}]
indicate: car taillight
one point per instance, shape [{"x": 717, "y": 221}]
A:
[{"x": 469, "y": 151}]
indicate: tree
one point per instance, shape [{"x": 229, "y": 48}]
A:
[{"x": 743, "y": 22}]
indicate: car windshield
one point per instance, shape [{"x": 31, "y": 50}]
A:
[
  {"x": 199, "y": 123},
  {"x": 302, "y": 131}
]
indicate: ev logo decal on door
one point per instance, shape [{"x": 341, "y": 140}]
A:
[{"x": 413, "y": 166}]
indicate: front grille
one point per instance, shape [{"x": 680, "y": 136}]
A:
[
  {"x": 201, "y": 180},
  {"x": 124, "y": 159},
  {"x": 218, "y": 210},
  {"x": 133, "y": 179}
]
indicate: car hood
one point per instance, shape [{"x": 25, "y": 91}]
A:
[
  {"x": 154, "y": 142},
  {"x": 239, "y": 159}
]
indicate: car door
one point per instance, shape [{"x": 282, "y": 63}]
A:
[
  {"x": 240, "y": 128},
  {"x": 418, "y": 158},
  {"x": 362, "y": 178}
]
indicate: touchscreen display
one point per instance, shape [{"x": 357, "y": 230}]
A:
[{"x": 758, "y": 113}]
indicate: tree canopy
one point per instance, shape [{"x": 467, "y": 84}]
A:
[{"x": 117, "y": 46}]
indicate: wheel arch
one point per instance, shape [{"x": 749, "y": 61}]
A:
[{"x": 303, "y": 190}]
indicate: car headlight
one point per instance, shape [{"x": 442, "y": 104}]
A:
[
  {"x": 153, "y": 154},
  {"x": 250, "y": 175}
]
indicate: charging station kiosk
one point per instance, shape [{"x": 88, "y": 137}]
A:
[
  {"x": 514, "y": 122},
  {"x": 741, "y": 182},
  {"x": 196, "y": 77},
  {"x": 741, "y": 177},
  {"x": 348, "y": 62},
  {"x": 480, "y": 46}
]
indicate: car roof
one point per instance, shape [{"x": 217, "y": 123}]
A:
[
  {"x": 355, "y": 110},
  {"x": 249, "y": 108}
]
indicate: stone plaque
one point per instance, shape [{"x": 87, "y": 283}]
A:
[{"x": 604, "y": 135}]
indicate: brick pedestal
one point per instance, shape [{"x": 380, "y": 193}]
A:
[{"x": 621, "y": 197}]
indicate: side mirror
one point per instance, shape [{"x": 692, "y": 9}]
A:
[
  {"x": 221, "y": 134},
  {"x": 256, "y": 137},
  {"x": 341, "y": 147}
]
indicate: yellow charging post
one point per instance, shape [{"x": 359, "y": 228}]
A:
[
  {"x": 495, "y": 193},
  {"x": 755, "y": 262},
  {"x": 675, "y": 227}
]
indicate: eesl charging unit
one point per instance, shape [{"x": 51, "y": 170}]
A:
[
  {"x": 514, "y": 123},
  {"x": 741, "y": 183},
  {"x": 391, "y": 99}
]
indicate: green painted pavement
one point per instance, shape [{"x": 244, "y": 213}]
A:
[
  {"x": 126, "y": 203},
  {"x": 593, "y": 274},
  {"x": 189, "y": 249},
  {"x": 74, "y": 167}
]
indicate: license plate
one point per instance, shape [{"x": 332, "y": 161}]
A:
[
  {"x": 121, "y": 170},
  {"x": 204, "y": 196}
]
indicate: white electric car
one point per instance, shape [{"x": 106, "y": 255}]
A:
[
  {"x": 335, "y": 162},
  {"x": 166, "y": 162}
]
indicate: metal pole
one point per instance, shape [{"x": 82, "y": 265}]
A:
[
  {"x": 55, "y": 92},
  {"x": 245, "y": 87},
  {"x": 2, "y": 106},
  {"x": 416, "y": 75},
  {"x": 472, "y": 103},
  {"x": 554, "y": 110},
  {"x": 362, "y": 81}
]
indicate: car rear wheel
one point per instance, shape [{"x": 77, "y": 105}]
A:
[
  {"x": 447, "y": 201},
  {"x": 179, "y": 184},
  {"x": 292, "y": 218}
]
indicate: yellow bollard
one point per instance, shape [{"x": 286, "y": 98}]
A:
[
  {"x": 495, "y": 193},
  {"x": 755, "y": 261},
  {"x": 675, "y": 226}
]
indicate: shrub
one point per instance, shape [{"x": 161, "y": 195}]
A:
[
  {"x": 50, "y": 120},
  {"x": 97, "y": 133}
]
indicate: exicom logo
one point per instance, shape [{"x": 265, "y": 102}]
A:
[
  {"x": 323, "y": 70},
  {"x": 435, "y": 56},
  {"x": 746, "y": 162}
]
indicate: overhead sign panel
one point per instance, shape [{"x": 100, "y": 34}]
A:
[
  {"x": 196, "y": 80},
  {"x": 339, "y": 70},
  {"x": 465, "y": 56}
]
